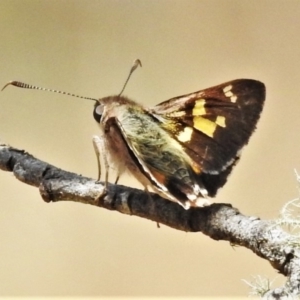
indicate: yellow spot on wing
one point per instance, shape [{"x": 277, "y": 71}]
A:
[
  {"x": 199, "y": 109},
  {"x": 185, "y": 135},
  {"x": 196, "y": 167},
  {"x": 221, "y": 121},
  {"x": 204, "y": 125}
]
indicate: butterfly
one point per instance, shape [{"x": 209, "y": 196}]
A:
[{"x": 183, "y": 148}]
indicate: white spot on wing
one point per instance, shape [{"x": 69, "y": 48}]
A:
[
  {"x": 200, "y": 202},
  {"x": 233, "y": 98},
  {"x": 228, "y": 93},
  {"x": 185, "y": 135},
  {"x": 227, "y": 89}
]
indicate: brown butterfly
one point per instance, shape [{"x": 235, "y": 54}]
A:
[{"x": 185, "y": 147}]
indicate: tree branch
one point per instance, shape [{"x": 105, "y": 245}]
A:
[{"x": 218, "y": 221}]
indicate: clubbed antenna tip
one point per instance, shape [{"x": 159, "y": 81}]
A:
[
  {"x": 136, "y": 63},
  {"x": 15, "y": 83}
]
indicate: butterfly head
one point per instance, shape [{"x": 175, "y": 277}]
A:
[{"x": 108, "y": 104}]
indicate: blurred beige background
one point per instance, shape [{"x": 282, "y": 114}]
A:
[{"x": 87, "y": 47}]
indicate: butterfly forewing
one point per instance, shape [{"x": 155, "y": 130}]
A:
[{"x": 213, "y": 125}]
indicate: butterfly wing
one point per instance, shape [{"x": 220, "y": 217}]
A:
[{"x": 213, "y": 125}]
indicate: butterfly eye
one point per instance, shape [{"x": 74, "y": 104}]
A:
[{"x": 98, "y": 111}]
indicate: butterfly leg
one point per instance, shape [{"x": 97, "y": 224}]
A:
[
  {"x": 118, "y": 177},
  {"x": 99, "y": 148}
]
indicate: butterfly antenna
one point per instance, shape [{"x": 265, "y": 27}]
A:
[
  {"x": 136, "y": 63},
  {"x": 33, "y": 87}
]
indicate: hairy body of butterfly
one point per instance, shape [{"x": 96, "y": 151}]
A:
[{"x": 183, "y": 148}]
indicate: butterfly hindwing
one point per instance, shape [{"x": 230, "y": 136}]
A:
[{"x": 156, "y": 154}]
